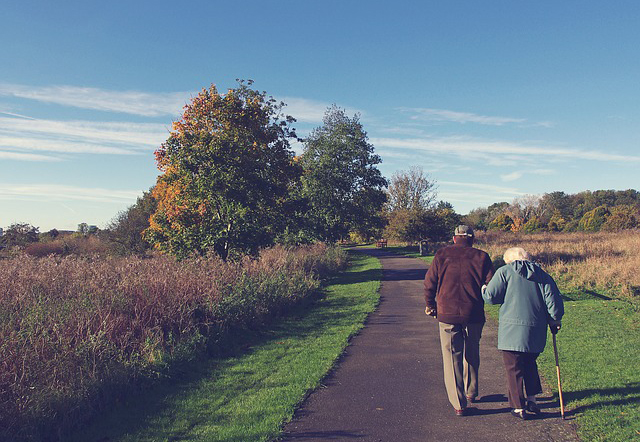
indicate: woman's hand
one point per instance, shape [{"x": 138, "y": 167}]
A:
[{"x": 554, "y": 326}]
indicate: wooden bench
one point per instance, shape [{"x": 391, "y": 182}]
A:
[{"x": 381, "y": 243}]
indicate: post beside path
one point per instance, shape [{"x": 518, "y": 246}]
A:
[{"x": 388, "y": 385}]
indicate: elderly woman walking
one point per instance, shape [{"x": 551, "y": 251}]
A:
[{"x": 530, "y": 300}]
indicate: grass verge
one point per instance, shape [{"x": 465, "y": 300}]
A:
[{"x": 248, "y": 395}]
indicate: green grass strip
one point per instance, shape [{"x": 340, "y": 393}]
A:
[
  {"x": 598, "y": 349},
  {"x": 248, "y": 397}
]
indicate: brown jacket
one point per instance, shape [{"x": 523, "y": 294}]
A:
[{"x": 453, "y": 284}]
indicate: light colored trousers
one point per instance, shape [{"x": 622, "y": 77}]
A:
[{"x": 460, "y": 345}]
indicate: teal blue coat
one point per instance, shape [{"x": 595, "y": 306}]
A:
[{"x": 530, "y": 299}]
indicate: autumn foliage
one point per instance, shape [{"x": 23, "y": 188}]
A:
[{"x": 227, "y": 169}]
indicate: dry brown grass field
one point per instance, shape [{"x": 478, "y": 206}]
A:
[
  {"x": 77, "y": 330},
  {"x": 604, "y": 262}
]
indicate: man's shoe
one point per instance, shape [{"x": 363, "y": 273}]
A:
[
  {"x": 533, "y": 408},
  {"x": 519, "y": 414},
  {"x": 462, "y": 412}
]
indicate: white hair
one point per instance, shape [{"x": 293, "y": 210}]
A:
[{"x": 515, "y": 254}]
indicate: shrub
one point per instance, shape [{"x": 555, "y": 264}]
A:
[
  {"x": 40, "y": 249},
  {"x": 621, "y": 218},
  {"x": 594, "y": 219},
  {"x": 501, "y": 222},
  {"x": 571, "y": 226},
  {"x": 74, "y": 330},
  {"x": 557, "y": 222},
  {"x": 533, "y": 225}
]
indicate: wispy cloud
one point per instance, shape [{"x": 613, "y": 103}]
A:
[
  {"x": 483, "y": 187},
  {"x": 511, "y": 176},
  {"x": 304, "y": 110},
  {"x": 38, "y": 144},
  {"x": 465, "y": 147},
  {"x": 312, "y": 111},
  {"x": 144, "y": 104},
  {"x": 18, "y": 156},
  {"x": 130, "y": 133},
  {"x": 59, "y": 192},
  {"x": 11, "y": 114},
  {"x": 130, "y": 102},
  {"x": 80, "y": 136},
  {"x": 443, "y": 115},
  {"x": 517, "y": 174},
  {"x": 476, "y": 194},
  {"x": 543, "y": 172}
]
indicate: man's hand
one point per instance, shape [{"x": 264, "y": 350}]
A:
[
  {"x": 430, "y": 311},
  {"x": 554, "y": 326}
]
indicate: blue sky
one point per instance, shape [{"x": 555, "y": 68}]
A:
[{"x": 493, "y": 99}]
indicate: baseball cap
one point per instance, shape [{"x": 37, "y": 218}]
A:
[{"x": 463, "y": 230}]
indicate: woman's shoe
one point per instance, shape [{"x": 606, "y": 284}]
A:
[
  {"x": 519, "y": 414},
  {"x": 533, "y": 408}
]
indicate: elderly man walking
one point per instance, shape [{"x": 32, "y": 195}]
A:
[{"x": 452, "y": 291}]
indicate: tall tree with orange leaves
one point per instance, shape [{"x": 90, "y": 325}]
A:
[{"x": 227, "y": 171}]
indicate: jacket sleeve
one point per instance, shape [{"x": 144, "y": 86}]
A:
[
  {"x": 496, "y": 289},
  {"x": 431, "y": 284},
  {"x": 488, "y": 269},
  {"x": 553, "y": 300}
]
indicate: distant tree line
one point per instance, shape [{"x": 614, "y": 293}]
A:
[{"x": 600, "y": 210}]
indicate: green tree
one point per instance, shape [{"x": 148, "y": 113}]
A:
[
  {"x": 19, "y": 235},
  {"x": 411, "y": 210},
  {"x": 557, "y": 222},
  {"x": 593, "y": 220},
  {"x": 445, "y": 221},
  {"x": 227, "y": 171},
  {"x": 477, "y": 218},
  {"x": 622, "y": 217},
  {"x": 556, "y": 203},
  {"x": 125, "y": 230},
  {"x": 629, "y": 197},
  {"x": 341, "y": 182},
  {"x": 533, "y": 225},
  {"x": 83, "y": 229},
  {"x": 411, "y": 190},
  {"x": 502, "y": 222}
]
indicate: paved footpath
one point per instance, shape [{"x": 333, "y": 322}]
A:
[{"x": 388, "y": 386}]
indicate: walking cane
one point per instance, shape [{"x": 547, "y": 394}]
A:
[{"x": 555, "y": 352}]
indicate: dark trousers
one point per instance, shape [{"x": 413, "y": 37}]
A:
[{"x": 521, "y": 369}]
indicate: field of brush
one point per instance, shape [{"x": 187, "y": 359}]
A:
[
  {"x": 604, "y": 264},
  {"x": 78, "y": 332}
]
